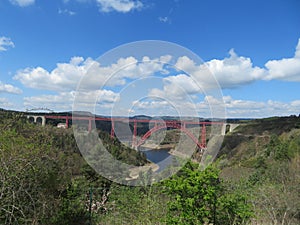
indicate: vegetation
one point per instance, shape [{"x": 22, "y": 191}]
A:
[
  {"x": 44, "y": 180},
  {"x": 267, "y": 163},
  {"x": 202, "y": 198}
]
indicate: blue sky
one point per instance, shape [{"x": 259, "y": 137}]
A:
[{"x": 250, "y": 47}]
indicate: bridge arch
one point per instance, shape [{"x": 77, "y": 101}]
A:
[
  {"x": 37, "y": 119},
  {"x": 175, "y": 125},
  {"x": 30, "y": 119}
]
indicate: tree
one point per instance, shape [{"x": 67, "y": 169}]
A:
[{"x": 199, "y": 197}]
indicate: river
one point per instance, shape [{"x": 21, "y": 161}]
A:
[{"x": 161, "y": 157}]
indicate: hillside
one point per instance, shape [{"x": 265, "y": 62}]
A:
[
  {"x": 263, "y": 158},
  {"x": 43, "y": 177},
  {"x": 255, "y": 179},
  {"x": 251, "y": 138}
]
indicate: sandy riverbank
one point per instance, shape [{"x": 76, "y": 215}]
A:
[
  {"x": 179, "y": 154},
  {"x": 158, "y": 147},
  {"x": 134, "y": 172}
]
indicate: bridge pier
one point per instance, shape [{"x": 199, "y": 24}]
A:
[
  {"x": 67, "y": 122},
  {"x": 112, "y": 129},
  {"x": 203, "y": 136},
  {"x": 232, "y": 126},
  {"x": 134, "y": 141},
  {"x": 90, "y": 125}
]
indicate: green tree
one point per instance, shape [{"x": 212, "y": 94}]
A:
[
  {"x": 199, "y": 197},
  {"x": 72, "y": 209}
]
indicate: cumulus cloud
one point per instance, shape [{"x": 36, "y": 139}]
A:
[
  {"x": 149, "y": 104},
  {"x": 22, "y": 3},
  {"x": 8, "y": 88},
  {"x": 5, "y": 103},
  {"x": 287, "y": 69},
  {"x": 182, "y": 86},
  {"x": 230, "y": 72},
  {"x": 5, "y": 43},
  {"x": 179, "y": 87},
  {"x": 252, "y": 109},
  {"x": 65, "y": 100},
  {"x": 66, "y": 76},
  {"x": 210, "y": 106},
  {"x": 241, "y": 104},
  {"x": 163, "y": 107},
  {"x": 123, "y": 6}
]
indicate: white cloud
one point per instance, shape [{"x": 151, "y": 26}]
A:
[
  {"x": 296, "y": 103},
  {"x": 22, "y": 3},
  {"x": 123, "y": 6},
  {"x": 241, "y": 104},
  {"x": 287, "y": 69},
  {"x": 164, "y": 19},
  {"x": 252, "y": 109},
  {"x": 92, "y": 77},
  {"x": 4, "y": 103},
  {"x": 235, "y": 70},
  {"x": 66, "y": 76},
  {"x": 66, "y": 12},
  {"x": 65, "y": 100},
  {"x": 8, "y": 88},
  {"x": 177, "y": 88},
  {"x": 149, "y": 104},
  {"x": 106, "y": 6},
  {"x": 230, "y": 72},
  {"x": 235, "y": 108},
  {"x": 163, "y": 107},
  {"x": 5, "y": 42}
]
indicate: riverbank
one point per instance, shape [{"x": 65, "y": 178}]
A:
[
  {"x": 157, "y": 147},
  {"x": 134, "y": 172},
  {"x": 179, "y": 154}
]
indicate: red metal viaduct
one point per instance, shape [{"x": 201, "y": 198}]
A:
[{"x": 158, "y": 125}]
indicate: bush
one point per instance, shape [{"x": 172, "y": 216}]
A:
[{"x": 199, "y": 197}]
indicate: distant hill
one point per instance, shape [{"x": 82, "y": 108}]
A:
[
  {"x": 251, "y": 138},
  {"x": 272, "y": 125}
]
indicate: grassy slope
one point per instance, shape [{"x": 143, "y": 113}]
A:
[
  {"x": 249, "y": 139},
  {"x": 262, "y": 159}
]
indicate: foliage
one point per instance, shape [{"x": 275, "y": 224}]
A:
[
  {"x": 273, "y": 167},
  {"x": 122, "y": 152},
  {"x": 276, "y": 197},
  {"x": 273, "y": 125},
  {"x": 199, "y": 197},
  {"x": 38, "y": 168},
  {"x": 71, "y": 210},
  {"x": 136, "y": 205},
  {"x": 45, "y": 180}
]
